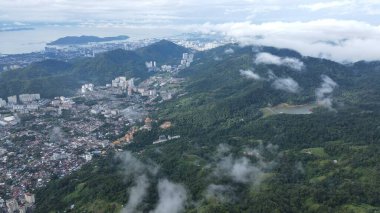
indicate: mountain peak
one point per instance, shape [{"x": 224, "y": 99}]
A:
[{"x": 162, "y": 52}]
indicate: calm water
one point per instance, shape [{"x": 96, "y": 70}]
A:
[{"x": 35, "y": 40}]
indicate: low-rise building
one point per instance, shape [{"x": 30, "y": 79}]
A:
[
  {"x": 87, "y": 88},
  {"x": 30, "y": 198},
  {"x": 12, "y": 205}
]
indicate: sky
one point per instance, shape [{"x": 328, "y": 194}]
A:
[{"x": 343, "y": 30}]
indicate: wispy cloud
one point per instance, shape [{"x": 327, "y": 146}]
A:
[
  {"x": 242, "y": 169},
  {"x": 326, "y": 5},
  {"x": 286, "y": 84},
  {"x": 221, "y": 192},
  {"x": 267, "y": 58},
  {"x": 304, "y": 37},
  {"x": 323, "y": 93},
  {"x": 137, "y": 194},
  {"x": 172, "y": 197},
  {"x": 136, "y": 170},
  {"x": 229, "y": 51},
  {"x": 250, "y": 74}
]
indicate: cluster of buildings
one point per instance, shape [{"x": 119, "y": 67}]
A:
[
  {"x": 8, "y": 120},
  {"x": 22, "y": 98},
  {"x": 23, "y": 104},
  {"x": 68, "y": 52},
  {"x": 62, "y": 103},
  {"x": 164, "y": 138},
  {"x": 187, "y": 59},
  {"x": 45, "y": 146},
  {"x": 151, "y": 65},
  {"x": 12, "y": 205},
  {"x": 52, "y": 144},
  {"x": 122, "y": 83},
  {"x": 26, "y": 98},
  {"x": 87, "y": 88}
]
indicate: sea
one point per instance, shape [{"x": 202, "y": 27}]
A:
[{"x": 27, "y": 41}]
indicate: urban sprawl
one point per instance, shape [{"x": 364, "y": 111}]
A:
[{"x": 43, "y": 139}]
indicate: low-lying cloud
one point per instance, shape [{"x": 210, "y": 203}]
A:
[
  {"x": 267, "y": 58},
  {"x": 303, "y": 36},
  {"x": 137, "y": 194},
  {"x": 131, "y": 166},
  {"x": 172, "y": 197},
  {"x": 57, "y": 135},
  {"x": 286, "y": 84},
  {"x": 242, "y": 169},
  {"x": 250, "y": 74},
  {"x": 220, "y": 192},
  {"x": 324, "y": 92},
  {"x": 229, "y": 51}
]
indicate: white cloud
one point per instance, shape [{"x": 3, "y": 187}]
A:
[
  {"x": 136, "y": 170},
  {"x": 279, "y": 23},
  {"x": 229, "y": 51},
  {"x": 194, "y": 11},
  {"x": 267, "y": 58},
  {"x": 305, "y": 37},
  {"x": 137, "y": 194},
  {"x": 220, "y": 192},
  {"x": 172, "y": 197},
  {"x": 250, "y": 74},
  {"x": 326, "y": 5},
  {"x": 323, "y": 93},
  {"x": 132, "y": 166},
  {"x": 286, "y": 84},
  {"x": 242, "y": 169}
]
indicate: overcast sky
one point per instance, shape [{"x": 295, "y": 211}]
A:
[
  {"x": 341, "y": 30},
  {"x": 188, "y": 11}
]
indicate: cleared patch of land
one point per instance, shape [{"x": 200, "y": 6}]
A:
[{"x": 289, "y": 109}]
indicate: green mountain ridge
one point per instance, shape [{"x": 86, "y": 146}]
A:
[
  {"x": 326, "y": 161},
  {"x": 53, "y": 78}
]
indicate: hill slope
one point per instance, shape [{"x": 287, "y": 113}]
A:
[
  {"x": 55, "y": 78},
  {"x": 232, "y": 158}
]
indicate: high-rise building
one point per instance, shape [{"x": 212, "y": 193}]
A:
[
  {"x": 2, "y": 103},
  {"x": 120, "y": 82},
  {"x": 12, "y": 99},
  {"x": 29, "y": 97}
]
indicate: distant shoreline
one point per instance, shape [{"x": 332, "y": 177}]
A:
[{"x": 16, "y": 29}]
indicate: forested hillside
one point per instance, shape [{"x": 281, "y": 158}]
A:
[
  {"x": 53, "y": 78},
  {"x": 233, "y": 156}
]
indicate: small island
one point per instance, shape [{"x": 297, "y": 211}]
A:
[{"x": 77, "y": 40}]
